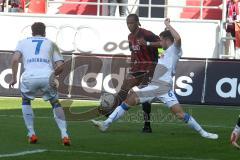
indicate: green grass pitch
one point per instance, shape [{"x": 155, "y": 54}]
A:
[{"x": 171, "y": 139}]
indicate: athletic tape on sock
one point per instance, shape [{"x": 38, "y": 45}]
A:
[
  {"x": 186, "y": 117},
  {"x": 124, "y": 106}
]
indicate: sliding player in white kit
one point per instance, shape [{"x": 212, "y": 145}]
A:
[
  {"x": 236, "y": 134},
  {"x": 160, "y": 87},
  {"x": 42, "y": 62}
]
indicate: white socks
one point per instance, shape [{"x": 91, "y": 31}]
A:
[
  {"x": 60, "y": 120},
  {"x": 59, "y": 117},
  {"x": 117, "y": 113},
  {"x": 28, "y": 116},
  {"x": 192, "y": 123}
]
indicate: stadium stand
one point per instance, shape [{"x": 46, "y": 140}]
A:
[
  {"x": 190, "y": 9},
  {"x": 37, "y": 6},
  {"x": 207, "y": 13},
  {"x": 82, "y": 9},
  {"x": 182, "y": 10}
]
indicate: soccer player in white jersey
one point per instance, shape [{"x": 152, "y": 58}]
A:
[
  {"x": 160, "y": 87},
  {"x": 42, "y": 61}
]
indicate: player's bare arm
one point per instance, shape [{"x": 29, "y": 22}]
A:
[
  {"x": 176, "y": 36},
  {"x": 15, "y": 60}
]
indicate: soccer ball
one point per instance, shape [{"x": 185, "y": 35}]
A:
[{"x": 107, "y": 100}]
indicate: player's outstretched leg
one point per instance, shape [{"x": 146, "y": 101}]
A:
[
  {"x": 59, "y": 117},
  {"x": 128, "y": 84},
  {"x": 235, "y": 134},
  {"x": 28, "y": 117},
  {"x": 192, "y": 123},
  {"x": 146, "y": 114},
  {"x": 117, "y": 113}
]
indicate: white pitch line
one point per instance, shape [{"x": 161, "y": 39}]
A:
[
  {"x": 102, "y": 153},
  {"x": 177, "y": 124},
  {"x": 123, "y": 121},
  {"x": 20, "y": 116},
  {"x": 22, "y": 153},
  {"x": 131, "y": 155},
  {"x": 229, "y": 109}
]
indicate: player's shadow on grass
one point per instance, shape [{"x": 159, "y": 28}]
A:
[{"x": 79, "y": 113}]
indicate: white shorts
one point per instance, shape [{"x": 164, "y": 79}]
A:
[
  {"x": 29, "y": 86},
  {"x": 153, "y": 93}
]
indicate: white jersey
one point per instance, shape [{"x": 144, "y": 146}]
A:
[
  {"x": 38, "y": 55},
  {"x": 166, "y": 67}
]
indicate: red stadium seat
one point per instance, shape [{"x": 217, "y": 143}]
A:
[
  {"x": 82, "y": 9},
  {"x": 194, "y": 13},
  {"x": 37, "y": 6}
]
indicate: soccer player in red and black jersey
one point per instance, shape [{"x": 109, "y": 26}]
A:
[{"x": 144, "y": 58}]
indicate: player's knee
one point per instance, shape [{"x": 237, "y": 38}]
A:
[
  {"x": 183, "y": 116},
  {"x": 55, "y": 103},
  {"x": 26, "y": 101},
  {"x": 132, "y": 99},
  {"x": 178, "y": 111}
]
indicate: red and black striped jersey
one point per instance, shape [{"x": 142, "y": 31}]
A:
[{"x": 143, "y": 58}]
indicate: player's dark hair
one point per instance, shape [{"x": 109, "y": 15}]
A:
[
  {"x": 167, "y": 35},
  {"x": 136, "y": 18},
  {"x": 38, "y": 28}
]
